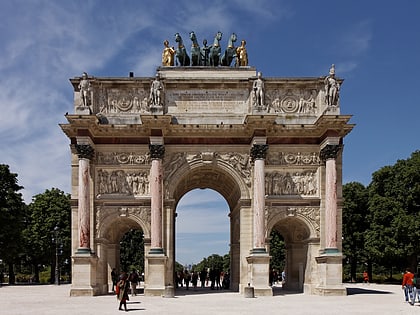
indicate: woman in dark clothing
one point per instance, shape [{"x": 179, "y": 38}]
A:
[{"x": 122, "y": 291}]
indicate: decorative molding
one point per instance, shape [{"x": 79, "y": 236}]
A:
[
  {"x": 123, "y": 158},
  {"x": 293, "y": 158}
]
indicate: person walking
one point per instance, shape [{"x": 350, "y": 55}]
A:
[
  {"x": 122, "y": 291},
  {"x": 407, "y": 286},
  {"x": 134, "y": 280},
  {"x": 114, "y": 277}
]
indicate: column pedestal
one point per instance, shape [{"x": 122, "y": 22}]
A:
[
  {"x": 156, "y": 270},
  {"x": 84, "y": 275},
  {"x": 330, "y": 270},
  {"x": 259, "y": 264}
]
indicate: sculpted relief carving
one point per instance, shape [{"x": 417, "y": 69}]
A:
[
  {"x": 298, "y": 101},
  {"x": 119, "y": 182},
  {"x": 293, "y": 158},
  {"x": 128, "y": 158},
  {"x": 120, "y": 100},
  {"x": 287, "y": 183}
]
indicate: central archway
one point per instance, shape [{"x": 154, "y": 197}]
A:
[{"x": 224, "y": 180}]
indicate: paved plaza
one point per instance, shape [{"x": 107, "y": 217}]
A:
[{"x": 51, "y": 299}]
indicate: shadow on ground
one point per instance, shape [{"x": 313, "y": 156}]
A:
[{"x": 354, "y": 291}]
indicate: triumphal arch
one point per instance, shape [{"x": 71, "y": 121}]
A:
[{"x": 272, "y": 147}]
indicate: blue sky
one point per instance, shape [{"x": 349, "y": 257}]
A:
[{"x": 375, "y": 46}]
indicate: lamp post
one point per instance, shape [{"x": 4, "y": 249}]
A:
[{"x": 57, "y": 270}]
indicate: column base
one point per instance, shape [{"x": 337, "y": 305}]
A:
[
  {"x": 259, "y": 262},
  {"x": 155, "y": 278},
  {"x": 330, "y": 269},
  {"x": 84, "y": 275},
  {"x": 83, "y": 251}
]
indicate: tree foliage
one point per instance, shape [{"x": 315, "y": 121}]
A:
[
  {"x": 355, "y": 224},
  {"x": 132, "y": 251},
  {"x": 48, "y": 227},
  {"x": 277, "y": 251},
  {"x": 11, "y": 218},
  {"x": 394, "y": 213}
]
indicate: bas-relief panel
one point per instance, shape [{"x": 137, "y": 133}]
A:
[
  {"x": 289, "y": 182},
  {"x": 122, "y": 183},
  {"x": 292, "y": 101},
  {"x": 120, "y": 100}
]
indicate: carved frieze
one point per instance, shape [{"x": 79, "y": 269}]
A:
[
  {"x": 122, "y": 182},
  {"x": 293, "y": 158},
  {"x": 113, "y": 100},
  {"x": 291, "y": 183},
  {"x": 292, "y": 101},
  {"x": 123, "y": 158}
]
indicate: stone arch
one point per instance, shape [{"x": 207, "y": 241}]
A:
[
  {"x": 222, "y": 177},
  {"x": 193, "y": 174},
  {"x": 299, "y": 227},
  {"x": 112, "y": 222}
]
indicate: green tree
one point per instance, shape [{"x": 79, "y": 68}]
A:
[
  {"x": 11, "y": 219},
  {"x": 394, "y": 213},
  {"x": 355, "y": 224},
  {"x": 132, "y": 251},
  {"x": 277, "y": 251},
  {"x": 48, "y": 230}
]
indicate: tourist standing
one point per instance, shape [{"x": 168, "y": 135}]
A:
[
  {"x": 134, "y": 280},
  {"x": 407, "y": 285},
  {"x": 114, "y": 277}
]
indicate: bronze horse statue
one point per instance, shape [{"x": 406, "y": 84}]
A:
[
  {"x": 195, "y": 51},
  {"x": 181, "y": 52},
  {"x": 215, "y": 50},
  {"x": 230, "y": 51}
]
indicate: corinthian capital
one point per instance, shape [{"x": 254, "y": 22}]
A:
[
  {"x": 330, "y": 151},
  {"x": 259, "y": 151},
  {"x": 157, "y": 151},
  {"x": 85, "y": 151}
]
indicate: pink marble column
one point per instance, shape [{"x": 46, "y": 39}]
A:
[
  {"x": 156, "y": 191},
  {"x": 85, "y": 153},
  {"x": 258, "y": 154},
  {"x": 329, "y": 155}
]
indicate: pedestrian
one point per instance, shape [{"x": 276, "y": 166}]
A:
[
  {"x": 416, "y": 288},
  {"x": 194, "y": 279},
  {"x": 187, "y": 279},
  {"x": 114, "y": 277},
  {"x": 203, "y": 276},
  {"x": 407, "y": 285},
  {"x": 365, "y": 277},
  {"x": 122, "y": 288},
  {"x": 134, "y": 280}
]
